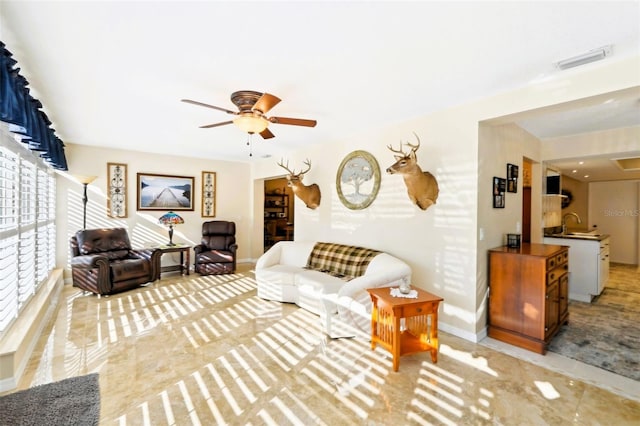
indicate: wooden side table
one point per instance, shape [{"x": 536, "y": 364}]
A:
[
  {"x": 420, "y": 332},
  {"x": 183, "y": 266}
]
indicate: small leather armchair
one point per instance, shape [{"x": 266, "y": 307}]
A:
[
  {"x": 103, "y": 262},
  {"x": 216, "y": 254}
]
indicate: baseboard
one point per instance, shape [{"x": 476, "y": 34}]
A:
[
  {"x": 580, "y": 297},
  {"x": 463, "y": 334},
  {"x": 20, "y": 339}
]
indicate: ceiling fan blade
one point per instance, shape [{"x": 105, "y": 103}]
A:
[
  {"x": 208, "y": 126},
  {"x": 265, "y": 103},
  {"x": 266, "y": 134},
  {"x": 189, "y": 101},
  {"x": 293, "y": 121}
]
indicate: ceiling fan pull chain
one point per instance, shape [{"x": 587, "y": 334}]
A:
[{"x": 250, "y": 143}]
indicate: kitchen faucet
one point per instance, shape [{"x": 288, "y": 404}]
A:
[{"x": 564, "y": 220}]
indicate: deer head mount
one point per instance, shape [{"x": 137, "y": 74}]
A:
[
  {"x": 422, "y": 187},
  {"x": 310, "y": 194}
]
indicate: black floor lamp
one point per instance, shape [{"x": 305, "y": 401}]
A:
[{"x": 85, "y": 180}]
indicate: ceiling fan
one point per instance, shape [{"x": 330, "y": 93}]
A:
[{"x": 251, "y": 118}]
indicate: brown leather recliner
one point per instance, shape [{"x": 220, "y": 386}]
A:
[
  {"x": 103, "y": 262},
  {"x": 216, "y": 254}
]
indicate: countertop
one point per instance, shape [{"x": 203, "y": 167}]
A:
[
  {"x": 530, "y": 249},
  {"x": 591, "y": 236}
]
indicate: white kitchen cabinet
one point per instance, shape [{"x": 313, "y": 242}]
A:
[
  {"x": 588, "y": 265},
  {"x": 603, "y": 264}
]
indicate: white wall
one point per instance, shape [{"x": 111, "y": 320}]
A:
[
  {"x": 615, "y": 208},
  {"x": 437, "y": 243},
  {"x": 441, "y": 244},
  {"x": 233, "y": 201},
  {"x": 499, "y": 145}
]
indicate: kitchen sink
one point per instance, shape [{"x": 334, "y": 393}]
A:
[
  {"x": 586, "y": 234},
  {"x": 593, "y": 235}
]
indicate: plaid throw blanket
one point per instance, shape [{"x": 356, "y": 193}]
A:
[{"x": 346, "y": 262}]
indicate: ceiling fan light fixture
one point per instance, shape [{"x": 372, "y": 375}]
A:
[
  {"x": 251, "y": 123},
  {"x": 585, "y": 58}
]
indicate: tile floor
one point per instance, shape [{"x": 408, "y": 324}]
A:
[{"x": 206, "y": 350}]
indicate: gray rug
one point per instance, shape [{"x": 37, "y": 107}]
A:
[
  {"x": 74, "y": 401},
  {"x": 605, "y": 333}
]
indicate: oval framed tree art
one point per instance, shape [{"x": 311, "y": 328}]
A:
[{"x": 358, "y": 180}]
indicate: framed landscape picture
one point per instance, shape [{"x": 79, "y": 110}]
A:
[{"x": 164, "y": 192}]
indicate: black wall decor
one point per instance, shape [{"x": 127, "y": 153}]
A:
[
  {"x": 567, "y": 198},
  {"x": 512, "y": 178},
  {"x": 499, "y": 186}
]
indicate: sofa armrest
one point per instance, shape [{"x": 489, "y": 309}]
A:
[
  {"x": 270, "y": 257},
  {"x": 354, "y": 302},
  {"x": 358, "y": 286},
  {"x": 152, "y": 255},
  {"x": 90, "y": 261},
  {"x": 383, "y": 271},
  {"x": 147, "y": 253},
  {"x": 233, "y": 247}
]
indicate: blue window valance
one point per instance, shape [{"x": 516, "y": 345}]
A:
[{"x": 24, "y": 115}]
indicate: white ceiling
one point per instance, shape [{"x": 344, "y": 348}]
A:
[{"x": 112, "y": 73}]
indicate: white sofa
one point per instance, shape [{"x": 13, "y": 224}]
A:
[{"x": 282, "y": 275}]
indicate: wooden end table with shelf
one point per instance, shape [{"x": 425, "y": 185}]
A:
[
  {"x": 420, "y": 332},
  {"x": 185, "y": 257}
]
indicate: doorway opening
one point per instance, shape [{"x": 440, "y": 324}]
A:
[
  {"x": 278, "y": 212},
  {"x": 526, "y": 200}
]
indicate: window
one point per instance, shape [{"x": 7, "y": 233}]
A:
[{"x": 27, "y": 226}]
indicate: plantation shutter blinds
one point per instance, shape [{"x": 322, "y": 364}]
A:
[
  {"x": 8, "y": 190},
  {"x": 43, "y": 227},
  {"x": 8, "y": 281},
  {"x": 51, "y": 217},
  {"x": 27, "y": 265},
  {"x": 9, "y": 237},
  {"x": 27, "y": 227}
]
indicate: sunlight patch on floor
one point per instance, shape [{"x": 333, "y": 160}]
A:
[
  {"x": 468, "y": 358},
  {"x": 547, "y": 390}
]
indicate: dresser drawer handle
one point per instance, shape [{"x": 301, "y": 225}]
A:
[{"x": 419, "y": 310}]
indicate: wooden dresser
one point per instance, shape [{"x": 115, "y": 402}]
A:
[{"x": 528, "y": 294}]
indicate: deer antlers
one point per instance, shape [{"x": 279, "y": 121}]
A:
[
  {"x": 307, "y": 162},
  {"x": 414, "y": 148}
]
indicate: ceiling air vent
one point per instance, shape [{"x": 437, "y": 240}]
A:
[{"x": 585, "y": 58}]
